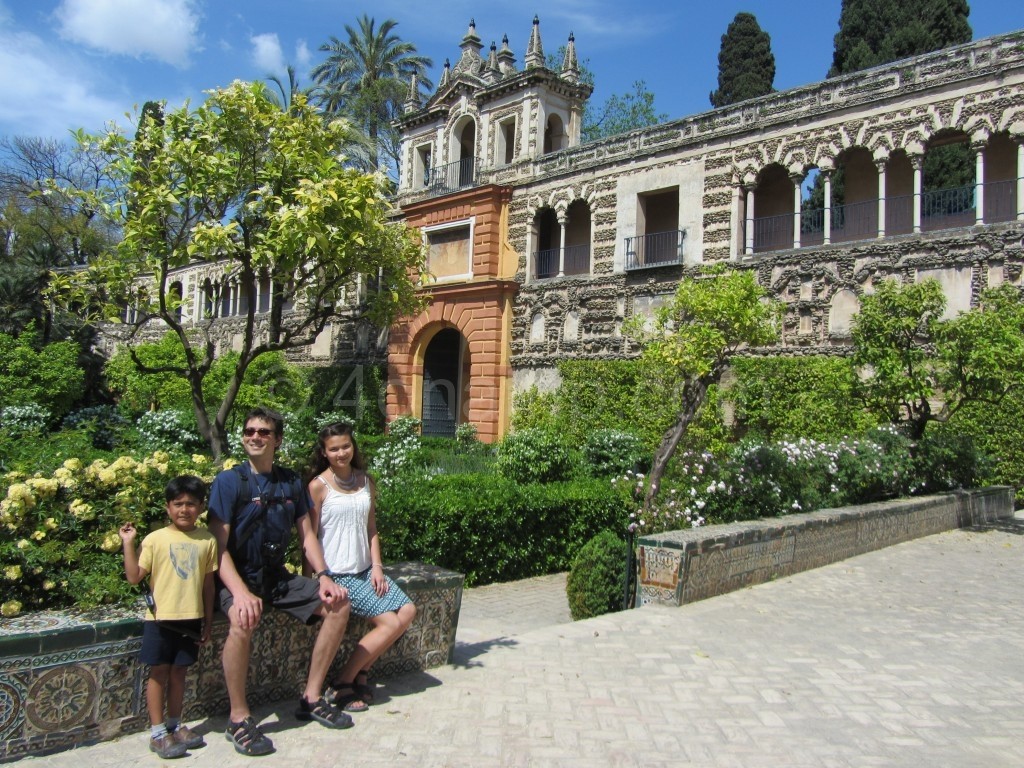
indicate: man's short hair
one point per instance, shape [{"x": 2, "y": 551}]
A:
[
  {"x": 267, "y": 414},
  {"x": 186, "y": 484}
]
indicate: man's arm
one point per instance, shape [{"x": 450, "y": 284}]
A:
[
  {"x": 249, "y": 607},
  {"x": 330, "y": 591}
]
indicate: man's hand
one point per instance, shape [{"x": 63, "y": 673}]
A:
[
  {"x": 332, "y": 593},
  {"x": 248, "y": 609}
]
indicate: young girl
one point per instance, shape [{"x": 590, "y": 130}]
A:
[{"x": 343, "y": 517}]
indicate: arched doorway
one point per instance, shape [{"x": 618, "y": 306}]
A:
[{"x": 442, "y": 383}]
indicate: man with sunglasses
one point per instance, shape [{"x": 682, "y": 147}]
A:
[{"x": 253, "y": 509}]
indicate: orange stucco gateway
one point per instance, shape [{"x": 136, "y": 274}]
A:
[{"x": 472, "y": 293}]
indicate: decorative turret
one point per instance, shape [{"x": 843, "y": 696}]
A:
[
  {"x": 470, "y": 62},
  {"x": 506, "y": 59},
  {"x": 570, "y": 66},
  {"x": 412, "y": 100},
  {"x": 534, "y": 51},
  {"x": 492, "y": 73},
  {"x": 446, "y": 75}
]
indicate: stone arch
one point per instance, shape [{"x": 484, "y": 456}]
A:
[
  {"x": 844, "y": 305},
  {"x": 556, "y": 137},
  {"x": 538, "y": 331}
]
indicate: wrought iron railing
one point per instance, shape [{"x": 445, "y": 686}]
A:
[
  {"x": 575, "y": 260},
  {"x": 656, "y": 250},
  {"x": 443, "y": 179}
]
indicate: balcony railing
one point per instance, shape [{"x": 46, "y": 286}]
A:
[
  {"x": 452, "y": 177},
  {"x": 939, "y": 209},
  {"x": 657, "y": 249},
  {"x": 576, "y": 261}
]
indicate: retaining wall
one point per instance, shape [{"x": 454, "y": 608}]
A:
[{"x": 678, "y": 567}]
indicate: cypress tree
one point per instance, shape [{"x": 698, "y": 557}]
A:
[
  {"x": 873, "y": 32},
  {"x": 746, "y": 64}
]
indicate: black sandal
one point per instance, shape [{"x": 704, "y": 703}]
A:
[
  {"x": 346, "y": 696},
  {"x": 323, "y": 712},
  {"x": 247, "y": 738},
  {"x": 364, "y": 689}
]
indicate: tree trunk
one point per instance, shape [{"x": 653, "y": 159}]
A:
[{"x": 694, "y": 393}]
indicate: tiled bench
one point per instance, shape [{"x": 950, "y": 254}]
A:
[
  {"x": 678, "y": 567},
  {"x": 73, "y": 678}
]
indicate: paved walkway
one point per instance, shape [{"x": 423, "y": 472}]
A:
[{"x": 910, "y": 656}]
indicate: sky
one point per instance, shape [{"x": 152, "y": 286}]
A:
[{"x": 68, "y": 64}]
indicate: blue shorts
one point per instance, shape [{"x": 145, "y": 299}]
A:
[
  {"x": 163, "y": 644},
  {"x": 366, "y": 602}
]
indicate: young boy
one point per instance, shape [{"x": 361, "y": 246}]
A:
[{"x": 181, "y": 560}]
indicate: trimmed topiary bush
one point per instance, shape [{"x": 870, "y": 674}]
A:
[
  {"x": 534, "y": 456},
  {"x": 595, "y": 582}
]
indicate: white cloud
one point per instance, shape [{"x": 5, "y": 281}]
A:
[
  {"x": 267, "y": 53},
  {"x": 166, "y": 30},
  {"x": 302, "y": 55},
  {"x": 52, "y": 93}
]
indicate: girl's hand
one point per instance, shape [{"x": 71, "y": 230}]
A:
[{"x": 380, "y": 584}]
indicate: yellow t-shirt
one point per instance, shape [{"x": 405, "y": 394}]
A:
[{"x": 177, "y": 562}]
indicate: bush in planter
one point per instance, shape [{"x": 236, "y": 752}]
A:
[{"x": 596, "y": 579}]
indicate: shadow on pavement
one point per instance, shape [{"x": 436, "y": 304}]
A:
[
  {"x": 1008, "y": 525},
  {"x": 466, "y": 652}
]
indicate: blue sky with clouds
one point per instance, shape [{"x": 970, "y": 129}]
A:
[{"x": 82, "y": 63}]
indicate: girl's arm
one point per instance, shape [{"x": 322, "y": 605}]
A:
[{"x": 380, "y": 584}]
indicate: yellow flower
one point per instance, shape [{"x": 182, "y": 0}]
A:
[
  {"x": 24, "y": 544},
  {"x": 230, "y": 461},
  {"x": 198, "y": 459},
  {"x": 123, "y": 462},
  {"x": 162, "y": 468},
  {"x": 38, "y": 535},
  {"x": 66, "y": 478},
  {"x": 81, "y": 510},
  {"x": 111, "y": 542},
  {"x": 10, "y": 609},
  {"x": 107, "y": 476},
  {"x": 12, "y": 572},
  {"x": 49, "y": 584},
  {"x": 161, "y": 457},
  {"x": 44, "y": 487},
  {"x": 73, "y": 464},
  {"x": 50, "y": 523}
]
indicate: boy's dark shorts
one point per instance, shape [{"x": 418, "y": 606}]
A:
[
  {"x": 162, "y": 644},
  {"x": 298, "y": 596}
]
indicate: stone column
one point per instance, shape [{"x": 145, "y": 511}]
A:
[
  {"x": 1020, "y": 178},
  {"x": 979, "y": 182},
  {"x": 797, "y": 178},
  {"x": 562, "y": 219},
  {"x": 748, "y": 215},
  {"x": 880, "y": 164},
  {"x": 827, "y": 223},
  {"x": 917, "y": 161}
]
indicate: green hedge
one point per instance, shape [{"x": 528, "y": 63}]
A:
[{"x": 493, "y": 529}]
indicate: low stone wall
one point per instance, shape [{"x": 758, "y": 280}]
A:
[
  {"x": 73, "y": 678},
  {"x": 680, "y": 567}
]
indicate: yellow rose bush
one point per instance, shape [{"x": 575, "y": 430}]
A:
[{"x": 58, "y": 530}]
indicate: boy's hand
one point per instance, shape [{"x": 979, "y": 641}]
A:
[
  {"x": 127, "y": 533},
  {"x": 206, "y": 633}
]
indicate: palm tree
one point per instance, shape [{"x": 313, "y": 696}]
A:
[
  {"x": 285, "y": 96},
  {"x": 367, "y": 78}
]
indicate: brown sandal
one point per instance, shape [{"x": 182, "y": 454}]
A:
[{"x": 345, "y": 696}]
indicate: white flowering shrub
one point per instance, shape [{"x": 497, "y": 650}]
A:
[
  {"x": 613, "y": 452},
  {"x": 103, "y": 423},
  {"x": 19, "y": 420},
  {"x": 167, "y": 429}
]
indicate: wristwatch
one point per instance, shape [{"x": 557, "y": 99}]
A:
[{"x": 324, "y": 572}]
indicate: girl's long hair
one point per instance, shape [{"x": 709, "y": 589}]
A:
[{"x": 318, "y": 462}]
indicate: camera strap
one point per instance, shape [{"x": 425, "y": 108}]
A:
[{"x": 147, "y": 595}]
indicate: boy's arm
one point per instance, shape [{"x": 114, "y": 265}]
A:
[
  {"x": 132, "y": 571},
  {"x": 207, "y": 606}
]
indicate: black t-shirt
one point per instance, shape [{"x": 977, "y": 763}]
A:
[{"x": 261, "y": 511}]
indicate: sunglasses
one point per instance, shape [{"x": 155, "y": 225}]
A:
[{"x": 262, "y": 431}]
